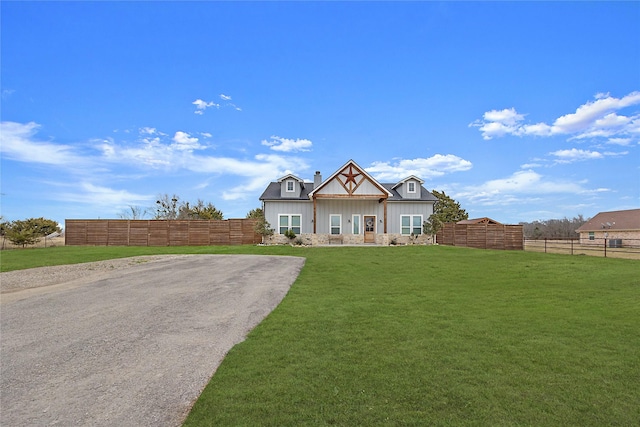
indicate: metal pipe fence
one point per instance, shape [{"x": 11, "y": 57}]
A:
[{"x": 603, "y": 247}]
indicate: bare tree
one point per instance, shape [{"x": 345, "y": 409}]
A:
[
  {"x": 167, "y": 207},
  {"x": 133, "y": 212},
  {"x": 553, "y": 228}
]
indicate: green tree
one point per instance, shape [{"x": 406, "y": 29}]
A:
[
  {"x": 29, "y": 231},
  {"x": 255, "y": 213},
  {"x": 263, "y": 228},
  {"x": 200, "y": 211},
  {"x": 446, "y": 209},
  {"x": 431, "y": 226}
]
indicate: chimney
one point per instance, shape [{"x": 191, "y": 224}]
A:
[{"x": 317, "y": 180}]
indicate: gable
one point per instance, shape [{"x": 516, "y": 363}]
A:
[
  {"x": 410, "y": 187},
  {"x": 290, "y": 186},
  {"x": 351, "y": 181}
]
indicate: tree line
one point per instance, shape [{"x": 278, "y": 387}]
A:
[
  {"x": 564, "y": 228},
  {"x": 171, "y": 207}
]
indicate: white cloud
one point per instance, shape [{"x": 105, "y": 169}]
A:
[
  {"x": 95, "y": 195},
  {"x": 148, "y": 131},
  {"x": 620, "y": 141},
  {"x": 573, "y": 155},
  {"x": 6, "y": 93},
  {"x": 576, "y": 155},
  {"x": 594, "y": 119},
  {"x": 201, "y": 106},
  {"x": 287, "y": 145},
  {"x": 434, "y": 166},
  {"x": 184, "y": 141},
  {"x": 17, "y": 142},
  {"x": 521, "y": 185},
  {"x": 588, "y": 115},
  {"x": 508, "y": 117}
]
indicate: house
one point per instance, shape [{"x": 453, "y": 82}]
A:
[
  {"x": 621, "y": 228},
  {"x": 348, "y": 207}
]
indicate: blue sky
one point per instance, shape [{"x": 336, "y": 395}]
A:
[{"x": 520, "y": 111}]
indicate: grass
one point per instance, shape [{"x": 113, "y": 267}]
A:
[{"x": 430, "y": 336}]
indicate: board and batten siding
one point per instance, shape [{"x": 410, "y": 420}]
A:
[
  {"x": 346, "y": 208},
  {"x": 396, "y": 209},
  {"x": 290, "y": 207}
]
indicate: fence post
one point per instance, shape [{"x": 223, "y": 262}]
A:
[
  {"x": 605, "y": 247},
  {"x": 571, "y": 246},
  {"x": 545, "y": 245}
]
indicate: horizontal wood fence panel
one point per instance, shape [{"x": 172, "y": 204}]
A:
[
  {"x": 100, "y": 232},
  {"x": 482, "y": 236},
  {"x": 138, "y": 233}
]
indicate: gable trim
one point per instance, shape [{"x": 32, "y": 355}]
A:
[{"x": 350, "y": 184}]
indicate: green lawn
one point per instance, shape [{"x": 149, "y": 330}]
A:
[{"x": 431, "y": 336}]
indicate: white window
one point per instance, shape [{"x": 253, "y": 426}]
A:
[
  {"x": 410, "y": 224},
  {"x": 335, "y": 224},
  {"x": 290, "y": 187},
  {"x": 411, "y": 187},
  {"x": 289, "y": 222},
  {"x": 356, "y": 224}
]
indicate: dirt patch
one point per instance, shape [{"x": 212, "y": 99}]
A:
[
  {"x": 18, "y": 280},
  {"x": 43, "y": 243}
]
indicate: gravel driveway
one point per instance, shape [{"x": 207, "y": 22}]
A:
[{"x": 127, "y": 342}]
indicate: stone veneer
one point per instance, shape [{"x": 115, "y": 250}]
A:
[{"x": 349, "y": 239}]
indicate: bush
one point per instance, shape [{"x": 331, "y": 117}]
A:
[{"x": 28, "y": 231}]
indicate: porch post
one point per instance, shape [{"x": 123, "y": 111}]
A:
[
  {"x": 315, "y": 221},
  {"x": 385, "y": 215}
]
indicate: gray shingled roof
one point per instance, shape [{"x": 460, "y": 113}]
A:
[{"x": 272, "y": 192}]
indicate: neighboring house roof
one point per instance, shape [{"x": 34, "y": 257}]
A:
[
  {"x": 484, "y": 220},
  {"x": 614, "y": 220}
]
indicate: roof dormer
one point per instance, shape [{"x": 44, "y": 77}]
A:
[
  {"x": 410, "y": 187},
  {"x": 290, "y": 186}
]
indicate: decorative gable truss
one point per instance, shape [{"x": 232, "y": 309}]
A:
[{"x": 350, "y": 181}]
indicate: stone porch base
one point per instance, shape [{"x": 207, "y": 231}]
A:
[{"x": 311, "y": 239}]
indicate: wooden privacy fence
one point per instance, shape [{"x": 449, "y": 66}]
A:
[
  {"x": 160, "y": 232},
  {"x": 482, "y": 236}
]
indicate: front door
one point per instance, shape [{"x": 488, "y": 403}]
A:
[{"x": 369, "y": 229}]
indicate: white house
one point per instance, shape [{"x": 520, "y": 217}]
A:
[{"x": 349, "y": 207}]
